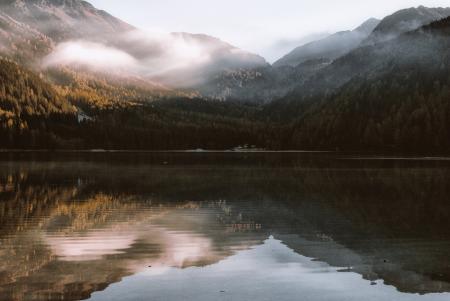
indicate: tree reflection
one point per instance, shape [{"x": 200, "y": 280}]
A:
[{"x": 70, "y": 229}]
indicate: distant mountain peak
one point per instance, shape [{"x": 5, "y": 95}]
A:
[
  {"x": 405, "y": 20},
  {"x": 41, "y": 3},
  {"x": 63, "y": 19},
  {"x": 368, "y": 26},
  {"x": 330, "y": 47}
]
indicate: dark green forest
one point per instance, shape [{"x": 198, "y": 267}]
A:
[
  {"x": 395, "y": 98},
  {"x": 36, "y": 114},
  {"x": 379, "y": 115}
]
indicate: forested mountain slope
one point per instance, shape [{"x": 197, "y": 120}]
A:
[
  {"x": 405, "y": 20},
  {"x": 70, "y": 33},
  {"x": 398, "y": 97},
  {"x": 392, "y": 94},
  {"x": 330, "y": 47}
]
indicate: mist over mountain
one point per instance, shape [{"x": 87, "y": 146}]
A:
[
  {"x": 64, "y": 19},
  {"x": 330, "y": 47},
  {"x": 263, "y": 85},
  {"x": 403, "y": 21},
  {"x": 77, "y": 77},
  {"x": 378, "y": 57},
  {"x": 76, "y": 34},
  {"x": 211, "y": 57},
  {"x": 387, "y": 95}
]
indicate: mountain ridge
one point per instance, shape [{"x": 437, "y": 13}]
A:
[
  {"x": 330, "y": 47},
  {"x": 390, "y": 94},
  {"x": 403, "y": 21},
  {"x": 64, "y": 19},
  {"x": 48, "y": 24}
]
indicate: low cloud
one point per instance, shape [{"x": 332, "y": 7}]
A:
[
  {"x": 159, "y": 53},
  {"x": 177, "y": 59},
  {"x": 145, "y": 54},
  {"x": 90, "y": 54}
]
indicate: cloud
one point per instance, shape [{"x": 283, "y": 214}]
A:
[
  {"x": 147, "y": 54},
  {"x": 90, "y": 54},
  {"x": 159, "y": 53},
  {"x": 174, "y": 59}
]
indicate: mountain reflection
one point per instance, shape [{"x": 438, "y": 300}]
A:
[{"x": 71, "y": 229}]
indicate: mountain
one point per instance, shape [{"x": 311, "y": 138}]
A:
[
  {"x": 31, "y": 30},
  {"x": 266, "y": 83},
  {"x": 297, "y": 72},
  {"x": 391, "y": 95},
  {"x": 261, "y": 85},
  {"x": 24, "y": 93},
  {"x": 403, "y": 21},
  {"x": 330, "y": 47},
  {"x": 20, "y": 41},
  {"x": 66, "y": 59},
  {"x": 69, "y": 33},
  {"x": 139, "y": 90},
  {"x": 367, "y": 61},
  {"x": 64, "y": 19},
  {"x": 219, "y": 57},
  {"x": 30, "y": 108}
]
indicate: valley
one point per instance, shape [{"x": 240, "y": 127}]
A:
[{"x": 75, "y": 77}]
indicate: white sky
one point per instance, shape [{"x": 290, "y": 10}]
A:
[{"x": 267, "y": 27}]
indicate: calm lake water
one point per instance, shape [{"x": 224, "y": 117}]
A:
[{"x": 223, "y": 226}]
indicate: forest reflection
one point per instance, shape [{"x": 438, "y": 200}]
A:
[{"x": 69, "y": 229}]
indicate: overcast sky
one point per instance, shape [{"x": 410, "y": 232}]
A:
[{"x": 267, "y": 27}]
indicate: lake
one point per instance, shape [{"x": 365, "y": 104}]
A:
[{"x": 223, "y": 226}]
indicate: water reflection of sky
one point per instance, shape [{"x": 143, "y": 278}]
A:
[
  {"x": 267, "y": 272},
  {"x": 178, "y": 248},
  {"x": 128, "y": 233}
]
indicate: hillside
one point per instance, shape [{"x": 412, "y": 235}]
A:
[
  {"x": 403, "y": 21},
  {"x": 71, "y": 33},
  {"x": 396, "y": 98},
  {"x": 388, "y": 95},
  {"x": 261, "y": 85},
  {"x": 330, "y": 47},
  {"x": 24, "y": 93},
  {"x": 29, "y": 107},
  {"x": 267, "y": 83},
  {"x": 61, "y": 20},
  {"x": 219, "y": 57}
]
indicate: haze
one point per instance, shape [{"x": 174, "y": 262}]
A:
[{"x": 266, "y": 27}]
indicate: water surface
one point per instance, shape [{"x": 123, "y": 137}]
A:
[{"x": 223, "y": 226}]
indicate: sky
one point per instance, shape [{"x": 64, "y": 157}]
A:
[{"x": 270, "y": 28}]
